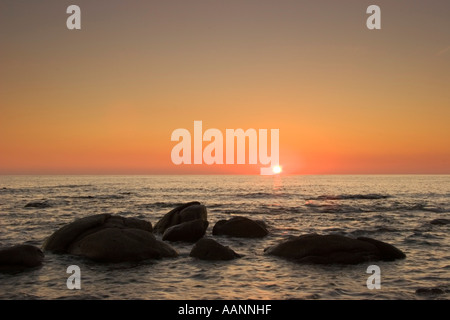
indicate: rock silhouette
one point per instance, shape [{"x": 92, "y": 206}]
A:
[
  {"x": 108, "y": 238},
  {"x": 20, "y": 257},
  {"x": 209, "y": 249},
  {"x": 187, "y": 212},
  {"x": 189, "y": 231},
  {"x": 330, "y": 249},
  {"x": 240, "y": 227}
]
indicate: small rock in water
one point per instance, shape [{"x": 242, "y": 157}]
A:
[
  {"x": 429, "y": 291},
  {"x": 20, "y": 258},
  {"x": 440, "y": 222},
  {"x": 240, "y": 227},
  {"x": 38, "y": 204},
  {"x": 209, "y": 249}
]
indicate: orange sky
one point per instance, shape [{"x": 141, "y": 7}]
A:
[{"x": 106, "y": 99}]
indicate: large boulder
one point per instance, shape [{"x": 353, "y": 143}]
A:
[
  {"x": 60, "y": 241},
  {"x": 387, "y": 252},
  {"x": 189, "y": 231},
  {"x": 209, "y": 249},
  {"x": 118, "y": 244},
  {"x": 328, "y": 249},
  {"x": 240, "y": 227},
  {"x": 109, "y": 238},
  {"x": 20, "y": 257},
  {"x": 183, "y": 213}
]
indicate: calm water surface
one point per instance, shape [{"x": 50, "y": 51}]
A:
[{"x": 395, "y": 209}]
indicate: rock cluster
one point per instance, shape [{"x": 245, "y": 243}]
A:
[{"x": 113, "y": 238}]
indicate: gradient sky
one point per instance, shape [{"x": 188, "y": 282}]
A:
[{"x": 106, "y": 99}]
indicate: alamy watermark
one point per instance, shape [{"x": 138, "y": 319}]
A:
[
  {"x": 235, "y": 139},
  {"x": 74, "y": 281},
  {"x": 73, "y": 22},
  {"x": 373, "y": 281}
]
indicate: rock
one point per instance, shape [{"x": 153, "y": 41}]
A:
[
  {"x": 20, "y": 257},
  {"x": 38, "y": 204},
  {"x": 209, "y": 249},
  {"x": 184, "y": 213},
  {"x": 387, "y": 252},
  {"x": 328, "y": 249},
  {"x": 240, "y": 227},
  {"x": 440, "y": 222},
  {"x": 60, "y": 241},
  {"x": 119, "y": 244},
  {"x": 430, "y": 291},
  {"x": 109, "y": 238},
  {"x": 189, "y": 231}
]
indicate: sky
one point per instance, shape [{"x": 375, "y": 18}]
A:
[{"x": 105, "y": 99}]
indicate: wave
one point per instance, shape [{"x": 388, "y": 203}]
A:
[
  {"x": 370, "y": 196},
  {"x": 375, "y": 230},
  {"x": 346, "y": 208},
  {"x": 159, "y": 205},
  {"x": 424, "y": 207},
  {"x": 261, "y": 195},
  {"x": 102, "y": 196},
  {"x": 330, "y": 208},
  {"x": 70, "y": 186}
]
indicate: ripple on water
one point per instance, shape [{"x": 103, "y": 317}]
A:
[{"x": 396, "y": 210}]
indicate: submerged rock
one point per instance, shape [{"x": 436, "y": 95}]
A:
[
  {"x": 189, "y": 231},
  {"x": 240, "y": 227},
  {"x": 440, "y": 221},
  {"x": 431, "y": 291},
  {"x": 20, "y": 257},
  {"x": 38, "y": 204},
  {"x": 184, "y": 213},
  {"x": 329, "y": 249},
  {"x": 209, "y": 249},
  {"x": 109, "y": 238}
]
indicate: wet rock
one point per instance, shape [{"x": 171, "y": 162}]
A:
[
  {"x": 387, "y": 252},
  {"x": 189, "y": 231},
  {"x": 209, "y": 249},
  {"x": 121, "y": 244},
  {"x": 184, "y": 213},
  {"x": 60, "y": 241},
  {"x": 240, "y": 227},
  {"x": 334, "y": 249},
  {"x": 109, "y": 238},
  {"x": 440, "y": 222},
  {"x": 20, "y": 257},
  {"x": 430, "y": 291},
  {"x": 38, "y": 204}
]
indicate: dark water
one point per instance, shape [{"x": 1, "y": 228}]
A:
[{"x": 395, "y": 209}]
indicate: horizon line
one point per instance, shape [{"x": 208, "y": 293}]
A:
[{"x": 223, "y": 174}]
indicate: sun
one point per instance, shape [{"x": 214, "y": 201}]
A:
[{"x": 277, "y": 169}]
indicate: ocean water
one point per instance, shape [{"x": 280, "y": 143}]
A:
[{"x": 395, "y": 209}]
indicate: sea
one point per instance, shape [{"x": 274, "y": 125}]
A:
[{"x": 398, "y": 209}]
